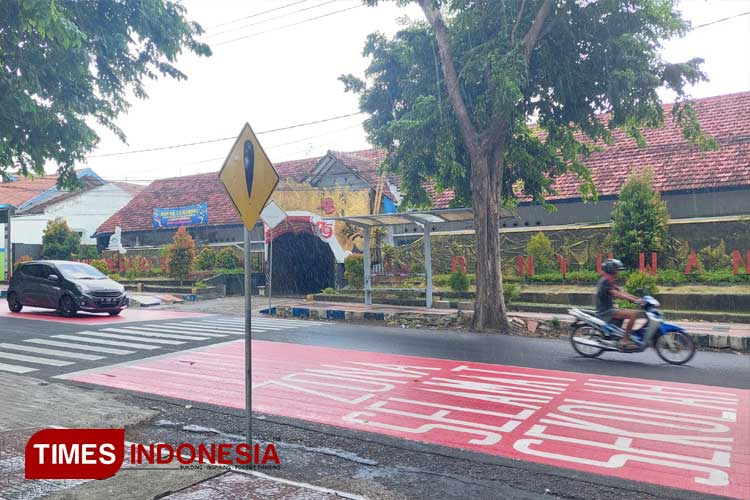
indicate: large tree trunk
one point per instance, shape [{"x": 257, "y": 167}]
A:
[{"x": 489, "y": 307}]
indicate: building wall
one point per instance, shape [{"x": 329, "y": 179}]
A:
[
  {"x": 679, "y": 205},
  {"x": 84, "y": 214}
]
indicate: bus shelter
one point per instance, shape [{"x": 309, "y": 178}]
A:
[{"x": 427, "y": 220}]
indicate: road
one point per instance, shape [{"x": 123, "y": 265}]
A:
[{"x": 396, "y": 413}]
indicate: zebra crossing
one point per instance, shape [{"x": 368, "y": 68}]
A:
[{"x": 102, "y": 346}]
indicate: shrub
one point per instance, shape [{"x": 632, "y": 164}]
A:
[
  {"x": 100, "y": 265},
  {"x": 458, "y": 281},
  {"x": 671, "y": 277},
  {"x": 641, "y": 284},
  {"x": 715, "y": 258},
  {"x": 639, "y": 219},
  {"x": 87, "y": 252},
  {"x": 418, "y": 267},
  {"x": 115, "y": 277},
  {"x": 354, "y": 270},
  {"x": 511, "y": 292},
  {"x": 540, "y": 247},
  {"x": 181, "y": 254},
  {"x": 206, "y": 259},
  {"x": 228, "y": 258},
  {"x": 59, "y": 242},
  {"x": 21, "y": 260},
  {"x": 328, "y": 291},
  {"x": 582, "y": 276}
]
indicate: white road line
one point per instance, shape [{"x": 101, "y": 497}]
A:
[
  {"x": 34, "y": 359},
  {"x": 196, "y": 329},
  {"x": 129, "y": 337},
  {"x": 290, "y": 322},
  {"x": 181, "y": 334},
  {"x": 106, "y": 342},
  {"x": 215, "y": 323},
  {"x": 149, "y": 333},
  {"x": 15, "y": 368},
  {"x": 80, "y": 347},
  {"x": 198, "y": 326},
  {"x": 51, "y": 352},
  {"x": 238, "y": 329}
]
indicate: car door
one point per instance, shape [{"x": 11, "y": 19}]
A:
[
  {"x": 49, "y": 289},
  {"x": 30, "y": 284}
]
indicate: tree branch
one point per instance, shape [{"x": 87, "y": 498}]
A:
[
  {"x": 532, "y": 36},
  {"x": 518, "y": 21},
  {"x": 435, "y": 18}
]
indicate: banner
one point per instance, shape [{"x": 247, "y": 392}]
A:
[{"x": 180, "y": 216}]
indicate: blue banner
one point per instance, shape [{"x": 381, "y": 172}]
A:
[{"x": 180, "y": 216}]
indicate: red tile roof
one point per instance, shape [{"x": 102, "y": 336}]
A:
[
  {"x": 677, "y": 166},
  {"x": 19, "y": 192}
]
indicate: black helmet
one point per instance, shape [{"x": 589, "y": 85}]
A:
[{"x": 611, "y": 266}]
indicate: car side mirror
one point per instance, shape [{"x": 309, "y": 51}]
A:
[{"x": 53, "y": 277}]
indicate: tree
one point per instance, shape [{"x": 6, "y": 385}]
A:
[
  {"x": 540, "y": 247},
  {"x": 451, "y": 100},
  {"x": 64, "y": 62},
  {"x": 181, "y": 254},
  {"x": 59, "y": 242},
  {"x": 639, "y": 219}
]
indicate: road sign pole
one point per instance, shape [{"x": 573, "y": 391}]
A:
[
  {"x": 248, "y": 350},
  {"x": 270, "y": 271}
]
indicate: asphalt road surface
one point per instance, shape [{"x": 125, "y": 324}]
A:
[{"x": 396, "y": 413}]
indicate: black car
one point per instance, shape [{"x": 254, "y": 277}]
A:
[{"x": 66, "y": 286}]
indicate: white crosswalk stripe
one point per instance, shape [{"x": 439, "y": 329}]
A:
[
  {"x": 150, "y": 333},
  {"x": 15, "y": 368},
  {"x": 130, "y": 337},
  {"x": 80, "y": 347},
  {"x": 106, "y": 342},
  {"x": 34, "y": 359},
  {"x": 63, "y": 350},
  {"x": 51, "y": 352},
  {"x": 186, "y": 334}
]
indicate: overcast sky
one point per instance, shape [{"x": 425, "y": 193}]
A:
[{"x": 280, "y": 76}]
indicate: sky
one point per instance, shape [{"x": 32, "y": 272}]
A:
[{"x": 273, "y": 76}]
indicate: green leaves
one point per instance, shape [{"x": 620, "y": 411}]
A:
[
  {"x": 592, "y": 59},
  {"x": 65, "y": 61}
]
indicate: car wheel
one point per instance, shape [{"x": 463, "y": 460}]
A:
[
  {"x": 67, "y": 306},
  {"x": 14, "y": 303},
  {"x": 115, "y": 313}
]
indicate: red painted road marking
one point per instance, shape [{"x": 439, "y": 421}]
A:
[
  {"x": 126, "y": 316},
  {"x": 680, "y": 435}
]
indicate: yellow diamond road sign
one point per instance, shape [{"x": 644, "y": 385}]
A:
[{"x": 248, "y": 176}]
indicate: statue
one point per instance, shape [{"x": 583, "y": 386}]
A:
[{"x": 115, "y": 241}]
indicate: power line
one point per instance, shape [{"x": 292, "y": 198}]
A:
[
  {"x": 721, "y": 20},
  {"x": 263, "y": 21},
  {"x": 287, "y": 25},
  {"x": 257, "y": 14},
  {"x": 208, "y": 141}
]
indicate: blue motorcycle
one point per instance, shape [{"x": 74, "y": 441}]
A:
[{"x": 591, "y": 336}]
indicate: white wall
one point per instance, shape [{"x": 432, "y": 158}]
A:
[{"x": 84, "y": 213}]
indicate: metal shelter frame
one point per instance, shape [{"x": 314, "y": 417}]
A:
[
  {"x": 6, "y": 212},
  {"x": 425, "y": 219}
]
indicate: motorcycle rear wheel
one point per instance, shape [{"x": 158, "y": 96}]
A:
[
  {"x": 676, "y": 348},
  {"x": 588, "y": 333}
]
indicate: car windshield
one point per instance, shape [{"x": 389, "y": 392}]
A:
[{"x": 78, "y": 271}]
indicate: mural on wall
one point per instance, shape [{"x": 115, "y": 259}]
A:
[{"x": 328, "y": 202}]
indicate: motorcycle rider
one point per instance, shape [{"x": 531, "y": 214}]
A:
[{"x": 606, "y": 291}]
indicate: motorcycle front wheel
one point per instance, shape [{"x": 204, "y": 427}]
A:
[
  {"x": 582, "y": 337},
  {"x": 676, "y": 348}
]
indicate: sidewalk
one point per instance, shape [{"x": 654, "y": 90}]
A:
[
  {"x": 730, "y": 336},
  {"x": 30, "y": 404}
]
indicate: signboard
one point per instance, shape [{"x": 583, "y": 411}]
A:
[
  {"x": 272, "y": 215},
  {"x": 180, "y": 216},
  {"x": 248, "y": 176}
]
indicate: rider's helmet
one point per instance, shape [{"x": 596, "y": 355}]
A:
[{"x": 612, "y": 266}]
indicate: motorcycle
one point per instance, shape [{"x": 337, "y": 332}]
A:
[{"x": 591, "y": 336}]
